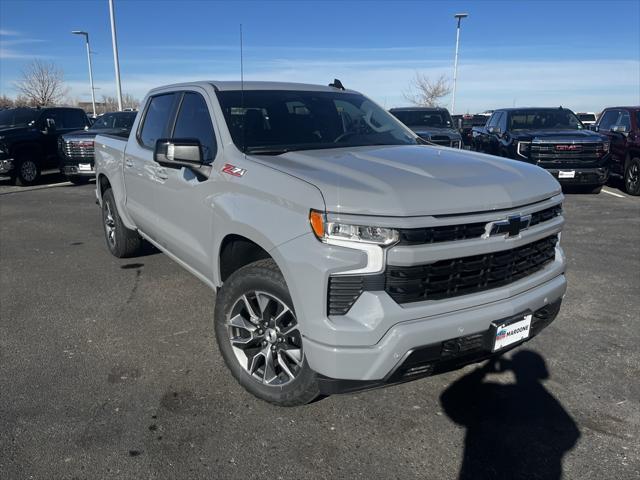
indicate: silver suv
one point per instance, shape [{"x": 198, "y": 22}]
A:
[{"x": 345, "y": 254}]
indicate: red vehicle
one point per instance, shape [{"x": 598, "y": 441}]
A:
[{"x": 622, "y": 126}]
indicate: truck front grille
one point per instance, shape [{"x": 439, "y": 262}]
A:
[
  {"x": 563, "y": 152},
  {"x": 462, "y": 276},
  {"x": 450, "y": 233},
  {"x": 75, "y": 149},
  {"x": 440, "y": 140}
]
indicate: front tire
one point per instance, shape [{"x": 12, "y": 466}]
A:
[
  {"x": 79, "y": 180},
  {"x": 258, "y": 336},
  {"x": 632, "y": 177},
  {"x": 121, "y": 241}
]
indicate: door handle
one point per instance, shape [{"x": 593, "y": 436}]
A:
[{"x": 128, "y": 162}]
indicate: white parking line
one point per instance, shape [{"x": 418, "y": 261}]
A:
[{"x": 604, "y": 190}]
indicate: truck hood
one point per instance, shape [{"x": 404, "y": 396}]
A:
[
  {"x": 408, "y": 180},
  {"x": 89, "y": 134},
  {"x": 559, "y": 135}
]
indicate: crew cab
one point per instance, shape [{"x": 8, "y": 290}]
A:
[
  {"x": 76, "y": 148},
  {"x": 552, "y": 138},
  {"x": 433, "y": 124},
  {"x": 29, "y": 139},
  {"x": 344, "y": 252},
  {"x": 622, "y": 126}
]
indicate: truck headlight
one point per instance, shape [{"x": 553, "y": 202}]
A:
[
  {"x": 523, "y": 149},
  {"x": 605, "y": 146},
  {"x": 456, "y": 144},
  {"x": 326, "y": 231}
]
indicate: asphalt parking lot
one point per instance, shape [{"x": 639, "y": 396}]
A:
[{"x": 109, "y": 369}]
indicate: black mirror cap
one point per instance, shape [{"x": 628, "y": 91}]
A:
[
  {"x": 50, "y": 124},
  {"x": 178, "y": 152}
]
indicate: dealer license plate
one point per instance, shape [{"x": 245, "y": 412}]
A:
[
  {"x": 510, "y": 333},
  {"x": 84, "y": 167},
  {"x": 567, "y": 174}
]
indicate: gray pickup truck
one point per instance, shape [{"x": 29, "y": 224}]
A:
[{"x": 345, "y": 254}]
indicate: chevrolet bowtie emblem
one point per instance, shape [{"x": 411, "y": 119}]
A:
[{"x": 510, "y": 227}]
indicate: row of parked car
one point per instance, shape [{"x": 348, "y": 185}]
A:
[
  {"x": 582, "y": 149},
  {"x": 37, "y": 139},
  {"x": 574, "y": 151}
]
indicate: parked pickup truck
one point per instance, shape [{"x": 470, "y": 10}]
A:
[
  {"x": 29, "y": 139},
  {"x": 345, "y": 254},
  {"x": 622, "y": 126},
  {"x": 552, "y": 138},
  {"x": 433, "y": 124},
  {"x": 76, "y": 148}
]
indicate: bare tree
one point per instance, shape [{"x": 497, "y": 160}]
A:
[
  {"x": 42, "y": 83},
  {"x": 110, "y": 104},
  {"x": 22, "y": 101},
  {"x": 5, "y": 102},
  {"x": 426, "y": 92}
]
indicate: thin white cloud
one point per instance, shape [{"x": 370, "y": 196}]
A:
[{"x": 8, "y": 33}]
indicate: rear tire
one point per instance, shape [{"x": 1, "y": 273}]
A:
[
  {"x": 632, "y": 177},
  {"x": 121, "y": 241},
  {"x": 258, "y": 336}
]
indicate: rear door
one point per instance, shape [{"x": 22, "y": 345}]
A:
[
  {"x": 140, "y": 170},
  {"x": 183, "y": 197}
]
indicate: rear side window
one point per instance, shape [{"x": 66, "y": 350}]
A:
[
  {"x": 194, "y": 121},
  {"x": 74, "y": 119},
  {"x": 156, "y": 120}
]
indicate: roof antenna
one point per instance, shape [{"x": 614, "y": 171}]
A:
[
  {"x": 244, "y": 114},
  {"x": 337, "y": 84}
]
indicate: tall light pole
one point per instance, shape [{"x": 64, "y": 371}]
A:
[
  {"x": 93, "y": 95},
  {"x": 459, "y": 17},
  {"x": 116, "y": 62}
]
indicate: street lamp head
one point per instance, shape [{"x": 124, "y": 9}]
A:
[
  {"x": 80, "y": 32},
  {"x": 460, "y": 16}
]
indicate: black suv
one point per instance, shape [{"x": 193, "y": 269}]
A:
[
  {"x": 433, "y": 124},
  {"x": 552, "y": 138},
  {"x": 76, "y": 148},
  {"x": 29, "y": 139}
]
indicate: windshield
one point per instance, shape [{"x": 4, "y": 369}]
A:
[
  {"x": 587, "y": 117},
  {"x": 277, "y": 121},
  {"x": 544, "y": 120},
  {"x": 17, "y": 117},
  {"x": 122, "y": 121},
  {"x": 424, "y": 118}
]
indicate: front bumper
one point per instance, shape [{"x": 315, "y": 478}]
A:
[
  {"x": 441, "y": 357},
  {"x": 74, "y": 171},
  {"x": 6, "y": 165},
  {"x": 581, "y": 176}
]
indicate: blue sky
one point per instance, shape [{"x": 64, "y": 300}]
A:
[{"x": 580, "y": 54}]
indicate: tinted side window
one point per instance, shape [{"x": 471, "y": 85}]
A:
[
  {"x": 625, "y": 120},
  {"x": 502, "y": 122},
  {"x": 74, "y": 119},
  {"x": 194, "y": 121},
  {"x": 608, "y": 119},
  {"x": 156, "y": 119}
]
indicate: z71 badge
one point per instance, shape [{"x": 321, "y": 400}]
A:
[{"x": 233, "y": 170}]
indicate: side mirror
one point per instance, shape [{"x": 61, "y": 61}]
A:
[
  {"x": 495, "y": 130},
  {"x": 178, "y": 152},
  {"x": 49, "y": 125},
  {"x": 619, "y": 129}
]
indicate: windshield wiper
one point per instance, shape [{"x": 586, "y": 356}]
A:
[{"x": 268, "y": 151}]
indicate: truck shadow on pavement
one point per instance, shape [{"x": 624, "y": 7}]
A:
[{"x": 514, "y": 431}]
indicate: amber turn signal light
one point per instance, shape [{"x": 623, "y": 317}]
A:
[{"x": 316, "y": 219}]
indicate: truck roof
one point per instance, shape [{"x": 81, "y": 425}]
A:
[
  {"x": 255, "y": 85},
  {"x": 417, "y": 109}
]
